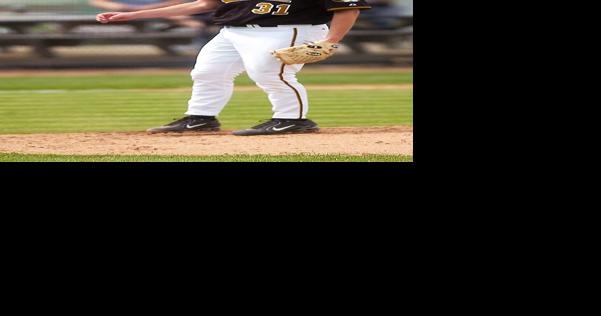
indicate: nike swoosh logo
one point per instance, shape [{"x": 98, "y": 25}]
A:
[
  {"x": 283, "y": 128},
  {"x": 193, "y": 126}
]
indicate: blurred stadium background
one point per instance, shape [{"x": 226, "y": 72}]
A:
[{"x": 63, "y": 34}]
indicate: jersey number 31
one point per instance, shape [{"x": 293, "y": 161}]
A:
[{"x": 266, "y": 8}]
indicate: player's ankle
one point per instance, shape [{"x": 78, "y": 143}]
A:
[{"x": 203, "y": 117}]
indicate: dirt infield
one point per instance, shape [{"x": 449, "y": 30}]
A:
[{"x": 397, "y": 140}]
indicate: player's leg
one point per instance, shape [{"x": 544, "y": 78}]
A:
[
  {"x": 288, "y": 97},
  {"x": 217, "y": 66}
]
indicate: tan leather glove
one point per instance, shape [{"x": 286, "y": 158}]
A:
[{"x": 306, "y": 53}]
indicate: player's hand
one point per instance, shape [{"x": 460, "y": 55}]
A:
[{"x": 114, "y": 17}]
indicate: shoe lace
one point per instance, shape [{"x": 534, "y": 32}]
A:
[
  {"x": 183, "y": 119},
  {"x": 264, "y": 124}
]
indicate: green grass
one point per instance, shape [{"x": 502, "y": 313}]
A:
[
  {"x": 91, "y": 111},
  {"x": 181, "y": 81},
  {"x": 223, "y": 158},
  {"x": 102, "y": 103}
]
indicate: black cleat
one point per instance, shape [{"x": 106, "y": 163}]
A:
[
  {"x": 280, "y": 126},
  {"x": 191, "y": 123}
]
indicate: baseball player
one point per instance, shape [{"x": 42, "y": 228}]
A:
[{"x": 252, "y": 31}]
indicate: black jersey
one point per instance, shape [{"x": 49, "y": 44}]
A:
[{"x": 281, "y": 12}]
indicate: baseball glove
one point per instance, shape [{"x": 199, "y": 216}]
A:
[{"x": 306, "y": 53}]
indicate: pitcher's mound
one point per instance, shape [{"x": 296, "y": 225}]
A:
[{"x": 395, "y": 140}]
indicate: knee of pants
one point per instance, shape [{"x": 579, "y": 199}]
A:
[
  {"x": 272, "y": 79},
  {"x": 207, "y": 74}
]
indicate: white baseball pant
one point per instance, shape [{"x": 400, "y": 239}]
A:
[{"x": 236, "y": 49}]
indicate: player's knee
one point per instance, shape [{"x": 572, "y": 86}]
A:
[
  {"x": 272, "y": 79},
  {"x": 199, "y": 74}
]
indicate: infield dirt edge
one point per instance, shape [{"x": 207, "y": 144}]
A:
[{"x": 392, "y": 140}]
